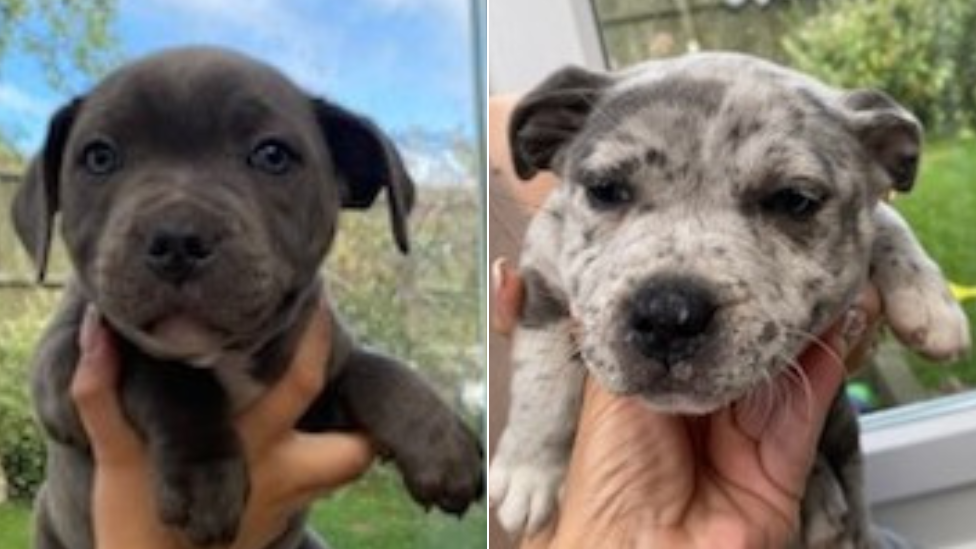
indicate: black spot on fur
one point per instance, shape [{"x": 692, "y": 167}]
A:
[
  {"x": 819, "y": 312},
  {"x": 814, "y": 285},
  {"x": 622, "y": 171},
  {"x": 655, "y": 158},
  {"x": 769, "y": 333},
  {"x": 742, "y": 131},
  {"x": 588, "y": 234},
  {"x": 543, "y": 304},
  {"x": 553, "y": 213}
]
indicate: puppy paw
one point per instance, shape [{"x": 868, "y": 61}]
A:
[
  {"x": 443, "y": 467},
  {"x": 929, "y": 321},
  {"x": 524, "y": 495},
  {"x": 204, "y": 500}
]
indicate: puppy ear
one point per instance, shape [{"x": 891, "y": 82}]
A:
[
  {"x": 891, "y": 134},
  {"x": 36, "y": 201},
  {"x": 550, "y": 115},
  {"x": 367, "y": 161}
]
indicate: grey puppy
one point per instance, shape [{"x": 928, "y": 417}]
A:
[
  {"x": 199, "y": 192},
  {"x": 717, "y": 212}
]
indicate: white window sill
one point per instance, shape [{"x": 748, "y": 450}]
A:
[{"x": 921, "y": 448}]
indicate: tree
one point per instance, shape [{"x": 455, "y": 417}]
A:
[
  {"x": 423, "y": 308},
  {"x": 67, "y": 38}
]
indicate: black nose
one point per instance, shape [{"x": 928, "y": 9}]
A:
[
  {"x": 668, "y": 319},
  {"x": 177, "y": 254}
]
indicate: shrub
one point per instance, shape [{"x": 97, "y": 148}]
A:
[
  {"x": 917, "y": 51},
  {"x": 21, "y": 441}
]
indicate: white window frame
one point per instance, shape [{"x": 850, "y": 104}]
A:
[{"x": 913, "y": 452}]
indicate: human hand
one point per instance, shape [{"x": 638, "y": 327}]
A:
[
  {"x": 288, "y": 469},
  {"x": 733, "y": 478}
]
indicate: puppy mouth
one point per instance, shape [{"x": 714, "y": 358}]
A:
[
  {"x": 186, "y": 335},
  {"x": 181, "y": 337}
]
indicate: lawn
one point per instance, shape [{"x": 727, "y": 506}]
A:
[
  {"x": 15, "y": 526},
  {"x": 942, "y": 210},
  {"x": 375, "y": 513}
]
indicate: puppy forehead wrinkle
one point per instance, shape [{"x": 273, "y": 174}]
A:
[
  {"x": 607, "y": 153},
  {"x": 766, "y": 161},
  {"x": 209, "y": 87}
]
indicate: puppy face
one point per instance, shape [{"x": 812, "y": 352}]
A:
[
  {"x": 200, "y": 191},
  {"x": 715, "y": 217}
]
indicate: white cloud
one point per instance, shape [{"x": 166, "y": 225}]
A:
[
  {"x": 22, "y": 103},
  {"x": 341, "y": 56},
  {"x": 282, "y": 35}
]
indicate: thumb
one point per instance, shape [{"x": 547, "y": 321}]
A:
[{"x": 94, "y": 392}]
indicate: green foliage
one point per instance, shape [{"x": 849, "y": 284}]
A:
[
  {"x": 377, "y": 513},
  {"x": 67, "y": 39},
  {"x": 940, "y": 211},
  {"x": 919, "y": 52},
  {"x": 423, "y": 308},
  {"x": 21, "y": 441},
  {"x": 373, "y": 513}
]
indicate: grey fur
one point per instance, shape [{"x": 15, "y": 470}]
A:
[
  {"x": 543, "y": 304},
  {"x": 185, "y": 125},
  {"x": 709, "y": 154}
]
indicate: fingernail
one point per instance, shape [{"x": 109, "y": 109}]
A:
[
  {"x": 89, "y": 327},
  {"x": 855, "y": 323},
  {"x": 499, "y": 271}
]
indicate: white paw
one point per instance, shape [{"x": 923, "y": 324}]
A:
[
  {"x": 524, "y": 496},
  {"x": 930, "y": 322}
]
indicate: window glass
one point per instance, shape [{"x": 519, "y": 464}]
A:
[
  {"x": 920, "y": 53},
  {"x": 407, "y": 64}
]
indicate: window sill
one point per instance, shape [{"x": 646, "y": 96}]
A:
[{"x": 901, "y": 446}]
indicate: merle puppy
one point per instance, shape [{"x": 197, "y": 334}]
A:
[{"x": 716, "y": 213}]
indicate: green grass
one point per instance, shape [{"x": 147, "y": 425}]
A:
[
  {"x": 15, "y": 526},
  {"x": 374, "y": 513},
  {"x": 942, "y": 211}
]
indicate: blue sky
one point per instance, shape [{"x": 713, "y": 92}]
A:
[{"x": 406, "y": 63}]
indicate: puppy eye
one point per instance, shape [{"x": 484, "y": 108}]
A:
[
  {"x": 798, "y": 204},
  {"x": 100, "y": 158},
  {"x": 607, "y": 195},
  {"x": 272, "y": 156}
]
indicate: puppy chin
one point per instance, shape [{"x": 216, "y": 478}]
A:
[
  {"x": 181, "y": 338},
  {"x": 682, "y": 405}
]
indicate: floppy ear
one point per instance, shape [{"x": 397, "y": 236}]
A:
[
  {"x": 368, "y": 161},
  {"x": 550, "y": 115},
  {"x": 36, "y": 201},
  {"x": 891, "y": 134}
]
